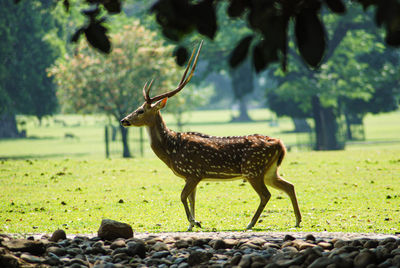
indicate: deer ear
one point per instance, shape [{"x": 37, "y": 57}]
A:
[{"x": 161, "y": 104}]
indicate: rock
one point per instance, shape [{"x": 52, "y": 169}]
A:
[
  {"x": 217, "y": 244},
  {"x": 310, "y": 237},
  {"x": 235, "y": 260},
  {"x": 120, "y": 243},
  {"x": 364, "y": 258},
  {"x": 289, "y": 238},
  {"x": 371, "y": 243},
  {"x": 321, "y": 262},
  {"x": 58, "y": 251},
  {"x": 299, "y": 244},
  {"x": 111, "y": 230},
  {"x": 230, "y": 243},
  {"x": 31, "y": 259},
  {"x": 58, "y": 235},
  {"x": 245, "y": 261},
  {"x": 137, "y": 248},
  {"x": 340, "y": 243},
  {"x": 160, "y": 246},
  {"x": 325, "y": 245},
  {"x": 182, "y": 244},
  {"x": 8, "y": 261},
  {"x": 198, "y": 257},
  {"x": 25, "y": 245}
]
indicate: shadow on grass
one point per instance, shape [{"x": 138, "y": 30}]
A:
[
  {"x": 41, "y": 156},
  {"x": 30, "y": 138}
]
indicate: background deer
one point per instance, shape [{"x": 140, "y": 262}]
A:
[{"x": 196, "y": 157}]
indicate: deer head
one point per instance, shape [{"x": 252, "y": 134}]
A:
[{"x": 145, "y": 114}]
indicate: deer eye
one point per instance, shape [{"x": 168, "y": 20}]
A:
[{"x": 140, "y": 111}]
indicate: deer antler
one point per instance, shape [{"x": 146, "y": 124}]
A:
[{"x": 182, "y": 84}]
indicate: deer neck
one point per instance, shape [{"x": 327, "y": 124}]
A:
[{"x": 160, "y": 137}]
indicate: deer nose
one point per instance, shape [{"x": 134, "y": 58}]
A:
[{"x": 125, "y": 122}]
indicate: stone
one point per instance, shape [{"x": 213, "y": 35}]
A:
[
  {"x": 371, "y": 243},
  {"x": 245, "y": 261},
  {"x": 57, "y": 251},
  {"x": 310, "y": 237},
  {"x": 182, "y": 243},
  {"x": 364, "y": 258},
  {"x": 160, "y": 246},
  {"x": 217, "y": 244},
  {"x": 325, "y": 245},
  {"x": 235, "y": 260},
  {"x": 230, "y": 243},
  {"x": 137, "y": 248},
  {"x": 119, "y": 243},
  {"x": 289, "y": 238},
  {"x": 321, "y": 262},
  {"x": 58, "y": 235},
  {"x": 25, "y": 245},
  {"x": 340, "y": 243},
  {"x": 9, "y": 261},
  {"x": 198, "y": 257},
  {"x": 111, "y": 230},
  {"x": 31, "y": 258}
]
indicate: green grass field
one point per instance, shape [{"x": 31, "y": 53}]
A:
[{"x": 50, "y": 182}]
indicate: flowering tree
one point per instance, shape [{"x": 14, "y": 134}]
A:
[{"x": 112, "y": 84}]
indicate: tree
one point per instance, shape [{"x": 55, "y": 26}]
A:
[
  {"x": 345, "y": 78},
  {"x": 25, "y": 53},
  {"x": 268, "y": 20},
  {"x": 90, "y": 82}
]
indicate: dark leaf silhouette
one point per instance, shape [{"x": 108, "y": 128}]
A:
[
  {"x": 237, "y": 8},
  {"x": 96, "y": 35},
  {"x": 336, "y": 6},
  {"x": 66, "y": 5},
  {"x": 75, "y": 37},
  {"x": 310, "y": 36},
  {"x": 258, "y": 58},
  {"x": 240, "y": 52},
  {"x": 91, "y": 12},
  {"x": 181, "y": 55},
  {"x": 112, "y": 6},
  {"x": 206, "y": 22}
]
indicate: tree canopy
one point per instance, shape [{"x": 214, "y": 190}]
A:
[
  {"x": 269, "y": 22},
  {"x": 25, "y": 52},
  {"x": 89, "y": 82}
]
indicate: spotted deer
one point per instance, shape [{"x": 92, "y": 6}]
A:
[{"x": 196, "y": 157}]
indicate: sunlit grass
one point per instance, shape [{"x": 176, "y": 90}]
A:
[{"x": 346, "y": 191}]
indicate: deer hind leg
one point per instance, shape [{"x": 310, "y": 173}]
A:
[
  {"x": 262, "y": 191},
  {"x": 189, "y": 190},
  {"x": 192, "y": 202},
  {"x": 279, "y": 183}
]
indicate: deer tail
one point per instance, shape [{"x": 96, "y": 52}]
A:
[{"x": 282, "y": 152}]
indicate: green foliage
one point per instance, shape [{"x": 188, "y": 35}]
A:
[
  {"x": 89, "y": 82},
  {"x": 352, "y": 191},
  {"x": 25, "y": 52}
]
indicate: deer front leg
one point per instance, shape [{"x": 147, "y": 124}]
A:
[
  {"x": 187, "y": 191},
  {"x": 262, "y": 191}
]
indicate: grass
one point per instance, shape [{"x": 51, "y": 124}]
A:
[
  {"x": 347, "y": 191},
  {"x": 49, "y": 182},
  {"x": 48, "y": 141}
]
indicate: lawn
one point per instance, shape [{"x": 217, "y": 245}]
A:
[
  {"x": 50, "y": 182},
  {"x": 354, "y": 191}
]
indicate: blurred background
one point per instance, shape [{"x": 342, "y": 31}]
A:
[{"x": 64, "y": 100}]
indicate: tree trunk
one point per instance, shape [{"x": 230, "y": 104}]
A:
[
  {"x": 326, "y": 127},
  {"x": 125, "y": 148},
  {"x": 242, "y": 85},
  {"x": 243, "y": 112},
  {"x": 8, "y": 126},
  {"x": 301, "y": 125}
]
